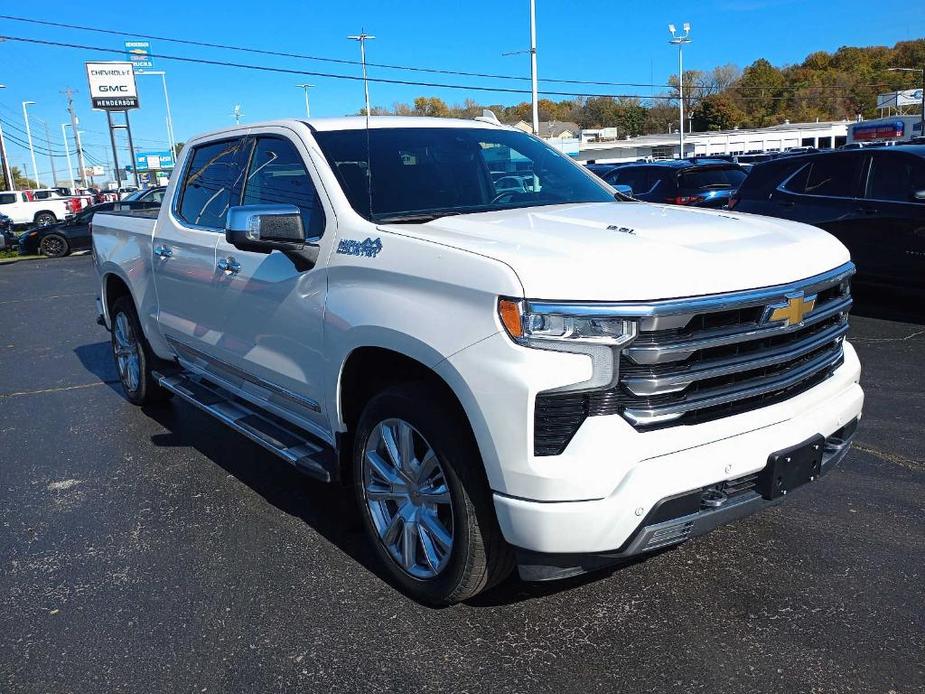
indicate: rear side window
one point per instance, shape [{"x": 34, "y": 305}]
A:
[
  {"x": 832, "y": 176},
  {"x": 705, "y": 179},
  {"x": 7, "y": 198},
  {"x": 636, "y": 178},
  {"x": 213, "y": 173},
  {"x": 895, "y": 177},
  {"x": 277, "y": 176}
]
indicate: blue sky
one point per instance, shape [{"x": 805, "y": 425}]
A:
[{"x": 622, "y": 42}]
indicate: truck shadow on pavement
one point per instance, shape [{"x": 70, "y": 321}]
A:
[{"x": 329, "y": 509}]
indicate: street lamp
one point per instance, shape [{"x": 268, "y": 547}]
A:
[
  {"x": 915, "y": 69},
  {"x": 679, "y": 41},
  {"x": 362, "y": 38},
  {"x": 7, "y": 174},
  {"x": 306, "y": 87},
  {"x": 25, "y": 117}
]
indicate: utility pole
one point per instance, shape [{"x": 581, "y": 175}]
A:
[
  {"x": 67, "y": 153},
  {"x": 25, "y": 117},
  {"x": 306, "y": 87},
  {"x": 51, "y": 157},
  {"x": 679, "y": 41},
  {"x": 536, "y": 110},
  {"x": 236, "y": 114},
  {"x": 362, "y": 38},
  {"x": 7, "y": 173},
  {"x": 69, "y": 93}
]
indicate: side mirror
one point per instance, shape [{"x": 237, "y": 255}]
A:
[
  {"x": 624, "y": 189},
  {"x": 265, "y": 228}
]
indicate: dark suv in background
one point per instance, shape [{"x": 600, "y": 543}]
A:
[
  {"x": 871, "y": 199},
  {"x": 701, "y": 183}
]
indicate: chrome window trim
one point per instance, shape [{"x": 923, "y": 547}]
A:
[{"x": 701, "y": 304}]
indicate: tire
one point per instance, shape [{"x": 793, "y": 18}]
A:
[
  {"x": 43, "y": 219},
  {"x": 456, "y": 549},
  {"x": 133, "y": 356},
  {"x": 54, "y": 246}
]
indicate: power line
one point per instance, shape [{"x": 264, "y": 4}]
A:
[
  {"x": 354, "y": 78},
  {"x": 408, "y": 68}
]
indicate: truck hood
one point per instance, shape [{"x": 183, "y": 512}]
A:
[{"x": 636, "y": 251}]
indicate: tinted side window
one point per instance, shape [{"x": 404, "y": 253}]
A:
[
  {"x": 277, "y": 176},
  {"x": 895, "y": 177},
  {"x": 834, "y": 176},
  {"x": 7, "y": 198},
  {"x": 213, "y": 173},
  {"x": 711, "y": 178},
  {"x": 635, "y": 178}
]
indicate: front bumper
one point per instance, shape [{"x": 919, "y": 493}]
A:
[{"x": 611, "y": 524}]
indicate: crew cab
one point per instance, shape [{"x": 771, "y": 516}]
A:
[
  {"x": 553, "y": 377},
  {"x": 19, "y": 206}
]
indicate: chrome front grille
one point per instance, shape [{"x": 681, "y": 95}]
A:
[{"x": 687, "y": 367}]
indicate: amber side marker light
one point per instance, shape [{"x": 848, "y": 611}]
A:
[{"x": 509, "y": 311}]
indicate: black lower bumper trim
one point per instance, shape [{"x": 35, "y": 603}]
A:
[{"x": 670, "y": 522}]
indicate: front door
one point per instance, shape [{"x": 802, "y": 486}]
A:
[
  {"x": 185, "y": 273},
  {"x": 271, "y": 311}
]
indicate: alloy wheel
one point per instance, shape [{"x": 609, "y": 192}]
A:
[
  {"x": 125, "y": 346},
  {"x": 408, "y": 499},
  {"x": 52, "y": 246}
]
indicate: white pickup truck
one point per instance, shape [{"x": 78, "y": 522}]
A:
[
  {"x": 553, "y": 377},
  {"x": 17, "y": 205}
]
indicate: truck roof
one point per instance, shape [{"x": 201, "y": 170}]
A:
[{"x": 359, "y": 123}]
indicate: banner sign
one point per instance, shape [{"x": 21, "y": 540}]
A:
[
  {"x": 112, "y": 86},
  {"x": 138, "y": 53},
  {"x": 150, "y": 161},
  {"x": 907, "y": 97},
  {"x": 878, "y": 131}
]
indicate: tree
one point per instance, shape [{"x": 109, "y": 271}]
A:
[
  {"x": 717, "y": 112},
  {"x": 431, "y": 106},
  {"x": 761, "y": 92},
  {"x": 20, "y": 181}
]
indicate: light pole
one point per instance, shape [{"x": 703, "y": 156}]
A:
[
  {"x": 362, "y": 38},
  {"x": 915, "y": 69},
  {"x": 25, "y": 117},
  {"x": 67, "y": 153},
  {"x": 306, "y": 87},
  {"x": 170, "y": 136},
  {"x": 679, "y": 41},
  {"x": 7, "y": 174}
]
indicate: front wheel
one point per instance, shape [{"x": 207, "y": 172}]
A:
[
  {"x": 43, "y": 219},
  {"x": 423, "y": 497},
  {"x": 133, "y": 357}
]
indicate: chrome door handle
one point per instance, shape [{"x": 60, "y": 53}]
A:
[
  {"x": 228, "y": 265},
  {"x": 163, "y": 251}
]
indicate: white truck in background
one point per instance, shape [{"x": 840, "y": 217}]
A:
[
  {"x": 556, "y": 378},
  {"x": 19, "y": 206}
]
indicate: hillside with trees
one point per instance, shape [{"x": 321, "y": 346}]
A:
[{"x": 825, "y": 86}]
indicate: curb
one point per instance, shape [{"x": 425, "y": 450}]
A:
[{"x": 11, "y": 261}]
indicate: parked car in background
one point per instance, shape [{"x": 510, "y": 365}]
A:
[
  {"x": 7, "y": 237},
  {"x": 19, "y": 206},
  {"x": 871, "y": 199},
  {"x": 698, "y": 183},
  {"x": 155, "y": 194},
  {"x": 78, "y": 200},
  {"x": 57, "y": 240}
]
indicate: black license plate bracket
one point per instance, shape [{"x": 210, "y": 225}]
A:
[{"x": 792, "y": 467}]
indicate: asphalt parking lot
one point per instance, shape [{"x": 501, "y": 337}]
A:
[{"x": 156, "y": 551}]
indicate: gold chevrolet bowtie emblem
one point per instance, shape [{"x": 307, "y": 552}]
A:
[{"x": 793, "y": 311}]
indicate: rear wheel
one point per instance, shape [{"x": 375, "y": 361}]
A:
[
  {"x": 425, "y": 503},
  {"x": 43, "y": 219},
  {"x": 54, "y": 246},
  {"x": 133, "y": 357}
]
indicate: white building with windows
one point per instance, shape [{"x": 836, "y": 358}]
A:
[{"x": 821, "y": 135}]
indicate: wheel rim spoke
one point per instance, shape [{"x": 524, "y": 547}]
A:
[{"x": 408, "y": 499}]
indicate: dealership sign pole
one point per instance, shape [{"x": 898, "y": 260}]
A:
[{"x": 112, "y": 88}]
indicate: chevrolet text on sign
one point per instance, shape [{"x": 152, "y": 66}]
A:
[{"x": 112, "y": 86}]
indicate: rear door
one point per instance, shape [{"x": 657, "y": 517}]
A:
[
  {"x": 895, "y": 234},
  {"x": 270, "y": 310},
  {"x": 185, "y": 275}
]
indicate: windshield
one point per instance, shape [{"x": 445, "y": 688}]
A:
[
  {"x": 419, "y": 174},
  {"x": 700, "y": 179},
  {"x": 133, "y": 196}
]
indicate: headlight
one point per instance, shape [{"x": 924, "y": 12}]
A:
[
  {"x": 544, "y": 326},
  {"x": 564, "y": 328}
]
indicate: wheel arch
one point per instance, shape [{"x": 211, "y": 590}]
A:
[{"x": 41, "y": 212}]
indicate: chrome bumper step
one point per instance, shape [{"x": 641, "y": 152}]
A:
[{"x": 297, "y": 447}]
